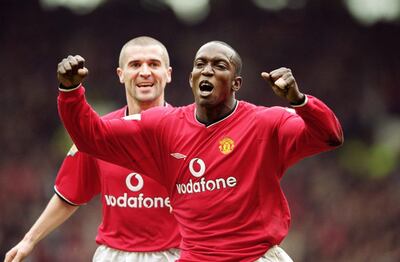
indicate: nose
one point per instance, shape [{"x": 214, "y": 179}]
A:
[
  {"x": 207, "y": 70},
  {"x": 145, "y": 71}
]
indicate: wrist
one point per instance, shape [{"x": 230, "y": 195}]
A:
[
  {"x": 68, "y": 88},
  {"x": 30, "y": 238},
  {"x": 299, "y": 102}
]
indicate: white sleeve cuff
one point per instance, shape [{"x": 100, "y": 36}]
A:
[
  {"x": 69, "y": 89},
  {"x": 64, "y": 198},
  {"x": 302, "y": 104}
]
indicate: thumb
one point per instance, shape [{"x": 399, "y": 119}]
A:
[
  {"x": 266, "y": 76},
  {"x": 19, "y": 257},
  {"x": 10, "y": 255},
  {"x": 83, "y": 72}
]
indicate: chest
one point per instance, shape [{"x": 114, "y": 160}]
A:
[
  {"x": 214, "y": 158},
  {"x": 115, "y": 179}
]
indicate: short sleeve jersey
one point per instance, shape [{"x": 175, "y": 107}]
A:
[
  {"x": 136, "y": 209},
  {"x": 223, "y": 179}
]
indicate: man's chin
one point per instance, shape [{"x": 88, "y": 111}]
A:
[
  {"x": 205, "y": 101},
  {"x": 146, "y": 98}
]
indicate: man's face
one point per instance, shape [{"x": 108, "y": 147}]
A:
[
  {"x": 213, "y": 76},
  {"x": 144, "y": 72}
]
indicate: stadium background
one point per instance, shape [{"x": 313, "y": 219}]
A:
[{"x": 345, "y": 203}]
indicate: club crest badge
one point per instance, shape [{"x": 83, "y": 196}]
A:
[{"x": 226, "y": 145}]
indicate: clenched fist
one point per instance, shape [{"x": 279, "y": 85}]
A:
[
  {"x": 284, "y": 84},
  {"x": 71, "y": 71}
]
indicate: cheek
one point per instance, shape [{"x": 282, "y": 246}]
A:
[
  {"x": 195, "y": 74},
  {"x": 131, "y": 74},
  {"x": 224, "y": 82}
]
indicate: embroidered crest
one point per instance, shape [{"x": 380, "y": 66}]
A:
[{"x": 226, "y": 145}]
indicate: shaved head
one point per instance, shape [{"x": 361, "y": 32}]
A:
[
  {"x": 234, "y": 59},
  {"x": 144, "y": 41}
]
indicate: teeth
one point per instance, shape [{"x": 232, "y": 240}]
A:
[{"x": 145, "y": 85}]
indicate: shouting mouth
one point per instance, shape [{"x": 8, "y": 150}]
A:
[{"x": 206, "y": 88}]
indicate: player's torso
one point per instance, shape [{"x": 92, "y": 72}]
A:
[
  {"x": 136, "y": 211},
  {"x": 219, "y": 178}
]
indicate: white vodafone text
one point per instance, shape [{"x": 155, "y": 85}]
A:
[{"x": 197, "y": 168}]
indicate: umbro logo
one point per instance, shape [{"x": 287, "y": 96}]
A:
[{"x": 178, "y": 155}]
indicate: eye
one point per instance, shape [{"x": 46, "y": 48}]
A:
[
  {"x": 154, "y": 64},
  {"x": 199, "y": 64},
  {"x": 134, "y": 64},
  {"x": 221, "y": 66}
]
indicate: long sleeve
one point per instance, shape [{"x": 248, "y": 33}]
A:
[
  {"x": 314, "y": 128},
  {"x": 118, "y": 141}
]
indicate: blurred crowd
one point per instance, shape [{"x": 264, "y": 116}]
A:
[{"x": 344, "y": 203}]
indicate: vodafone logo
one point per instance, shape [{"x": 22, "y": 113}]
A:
[
  {"x": 134, "y": 182},
  {"x": 138, "y": 182},
  {"x": 197, "y": 167}
]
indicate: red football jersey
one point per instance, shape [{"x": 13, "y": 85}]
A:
[
  {"x": 136, "y": 209},
  {"x": 223, "y": 179}
]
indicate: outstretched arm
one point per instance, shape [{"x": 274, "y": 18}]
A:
[
  {"x": 81, "y": 121},
  {"x": 56, "y": 212},
  {"x": 124, "y": 142}
]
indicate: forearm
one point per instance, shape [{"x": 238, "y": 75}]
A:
[
  {"x": 56, "y": 212},
  {"x": 74, "y": 111},
  {"x": 312, "y": 130},
  {"x": 320, "y": 122},
  {"x": 89, "y": 132}
]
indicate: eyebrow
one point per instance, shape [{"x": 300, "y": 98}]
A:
[
  {"x": 217, "y": 58},
  {"x": 140, "y": 60}
]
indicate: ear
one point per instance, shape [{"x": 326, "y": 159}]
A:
[
  {"x": 190, "y": 80},
  {"x": 169, "y": 75},
  {"x": 120, "y": 75},
  {"x": 237, "y": 83}
]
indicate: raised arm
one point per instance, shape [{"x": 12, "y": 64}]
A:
[
  {"x": 311, "y": 128},
  {"x": 119, "y": 141},
  {"x": 89, "y": 133},
  {"x": 56, "y": 212}
]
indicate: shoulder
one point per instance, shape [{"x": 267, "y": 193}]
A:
[
  {"x": 121, "y": 112},
  {"x": 167, "y": 112},
  {"x": 273, "y": 113},
  {"x": 166, "y": 118},
  {"x": 258, "y": 109}
]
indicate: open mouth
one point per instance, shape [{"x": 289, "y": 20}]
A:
[{"x": 205, "y": 87}]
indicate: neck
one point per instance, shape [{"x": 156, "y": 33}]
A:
[
  {"x": 136, "y": 107},
  {"x": 209, "y": 115}
]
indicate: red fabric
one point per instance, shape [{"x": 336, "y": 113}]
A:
[
  {"x": 132, "y": 220},
  {"x": 224, "y": 179}
]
